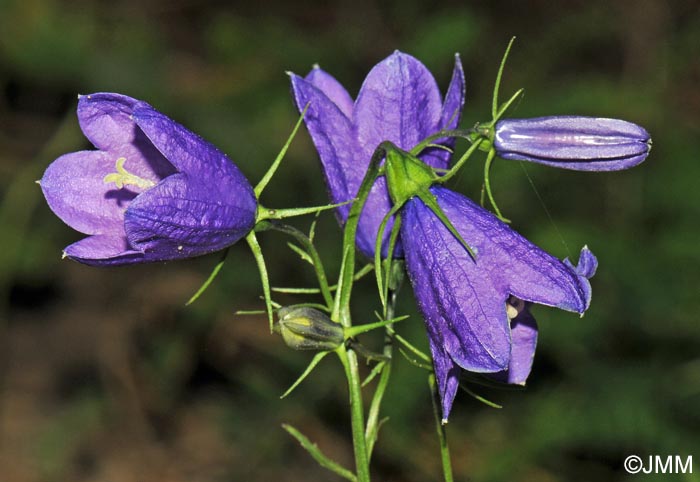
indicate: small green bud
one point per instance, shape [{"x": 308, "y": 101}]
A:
[
  {"x": 304, "y": 328},
  {"x": 406, "y": 175}
]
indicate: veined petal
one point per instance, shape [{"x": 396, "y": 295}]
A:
[
  {"x": 105, "y": 119},
  {"x": 449, "y": 119},
  {"x": 343, "y": 165},
  {"x": 463, "y": 308},
  {"x": 74, "y": 188},
  {"x": 178, "y": 218},
  {"x": 523, "y": 332},
  {"x": 399, "y": 102},
  {"x": 191, "y": 154},
  {"x": 573, "y": 142},
  {"x": 513, "y": 264},
  {"x": 104, "y": 250},
  {"x": 447, "y": 374},
  {"x": 332, "y": 89}
]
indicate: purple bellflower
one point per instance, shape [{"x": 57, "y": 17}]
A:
[
  {"x": 477, "y": 309},
  {"x": 573, "y": 142},
  {"x": 399, "y": 102},
  {"x": 153, "y": 190}
]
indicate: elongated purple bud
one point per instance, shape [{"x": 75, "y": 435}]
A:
[{"x": 573, "y": 142}]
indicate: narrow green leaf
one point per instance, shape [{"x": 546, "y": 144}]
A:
[
  {"x": 373, "y": 374},
  {"x": 479, "y": 397},
  {"x": 315, "y": 361},
  {"x": 318, "y": 456},
  {"x": 209, "y": 280},
  {"x": 359, "y": 329},
  {"x": 276, "y": 164},
  {"x": 415, "y": 362},
  {"x": 499, "y": 75},
  {"x": 303, "y": 254}
]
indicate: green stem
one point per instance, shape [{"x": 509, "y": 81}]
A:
[
  {"x": 441, "y": 432},
  {"x": 487, "y": 185},
  {"x": 313, "y": 253},
  {"x": 357, "y": 417},
  {"x": 341, "y": 314}
]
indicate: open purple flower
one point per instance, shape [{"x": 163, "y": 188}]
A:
[
  {"x": 475, "y": 310},
  {"x": 399, "y": 102},
  {"x": 153, "y": 190},
  {"x": 573, "y": 142}
]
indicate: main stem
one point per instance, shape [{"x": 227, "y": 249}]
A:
[
  {"x": 341, "y": 314},
  {"x": 357, "y": 417}
]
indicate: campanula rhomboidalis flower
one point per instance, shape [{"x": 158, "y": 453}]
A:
[
  {"x": 476, "y": 308},
  {"x": 152, "y": 191},
  {"x": 399, "y": 102},
  {"x": 573, "y": 142}
]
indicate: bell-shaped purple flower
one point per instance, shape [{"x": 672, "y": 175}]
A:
[
  {"x": 475, "y": 310},
  {"x": 573, "y": 142},
  {"x": 399, "y": 102},
  {"x": 153, "y": 190}
]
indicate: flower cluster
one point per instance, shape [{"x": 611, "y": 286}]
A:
[{"x": 475, "y": 302}]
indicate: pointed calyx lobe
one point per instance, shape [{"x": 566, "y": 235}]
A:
[
  {"x": 152, "y": 191},
  {"x": 399, "y": 102},
  {"x": 463, "y": 300}
]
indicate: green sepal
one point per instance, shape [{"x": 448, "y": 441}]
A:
[
  {"x": 429, "y": 200},
  {"x": 406, "y": 175}
]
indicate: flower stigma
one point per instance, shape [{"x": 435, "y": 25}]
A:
[{"x": 123, "y": 177}]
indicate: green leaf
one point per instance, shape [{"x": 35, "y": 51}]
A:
[
  {"x": 276, "y": 164},
  {"x": 358, "y": 329},
  {"x": 499, "y": 75},
  {"x": 209, "y": 280},
  {"x": 318, "y": 456},
  {"x": 315, "y": 361}
]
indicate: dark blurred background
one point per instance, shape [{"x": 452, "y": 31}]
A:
[{"x": 107, "y": 376}]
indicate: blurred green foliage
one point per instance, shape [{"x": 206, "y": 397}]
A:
[{"x": 107, "y": 376}]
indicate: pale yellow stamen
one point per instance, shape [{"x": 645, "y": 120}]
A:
[{"x": 123, "y": 177}]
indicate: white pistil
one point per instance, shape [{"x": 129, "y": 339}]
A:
[{"x": 123, "y": 177}]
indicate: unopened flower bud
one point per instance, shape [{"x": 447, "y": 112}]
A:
[
  {"x": 306, "y": 328},
  {"x": 573, "y": 142}
]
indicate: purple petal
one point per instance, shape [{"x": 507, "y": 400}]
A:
[
  {"x": 512, "y": 263},
  {"x": 342, "y": 162},
  {"x": 105, "y": 119},
  {"x": 451, "y": 115},
  {"x": 189, "y": 153},
  {"x": 573, "y": 142},
  {"x": 523, "y": 332},
  {"x": 447, "y": 375},
  {"x": 104, "y": 250},
  {"x": 74, "y": 189},
  {"x": 463, "y": 308},
  {"x": 332, "y": 89},
  {"x": 399, "y": 102},
  {"x": 180, "y": 218}
]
